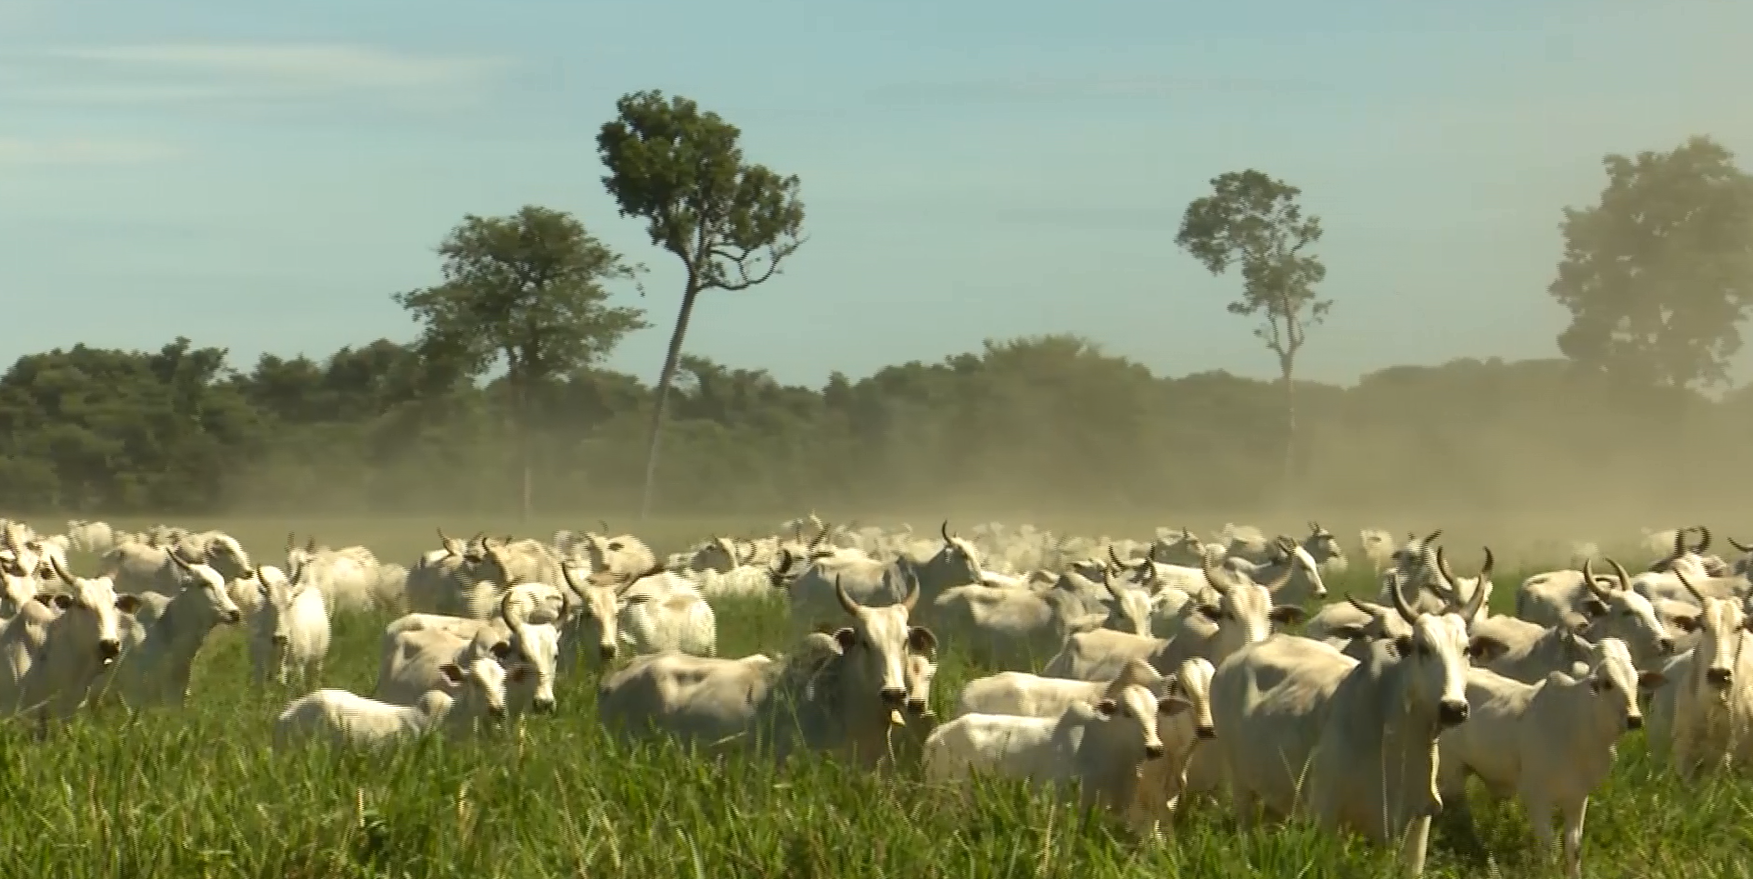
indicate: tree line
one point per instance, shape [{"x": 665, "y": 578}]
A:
[{"x": 501, "y": 402}]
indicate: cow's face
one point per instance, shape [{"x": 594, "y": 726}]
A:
[
  {"x": 879, "y": 640},
  {"x": 90, "y": 615},
  {"x": 1615, "y": 681},
  {"x": 1437, "y": 652},
  {"x": 1131, "y": 713},
  {"x": 1192, "y": 683}
]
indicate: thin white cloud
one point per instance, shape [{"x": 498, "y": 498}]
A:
[
  {"x": 15, "y": 151},
  {"x": 209, "y": 72}
]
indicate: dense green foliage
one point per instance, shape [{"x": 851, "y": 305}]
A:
[
  {"x": 1044, "y": 425},
  {"x": 198, "y": 793}
]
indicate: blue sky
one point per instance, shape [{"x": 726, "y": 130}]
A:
[{"x": 264, "y": 176}]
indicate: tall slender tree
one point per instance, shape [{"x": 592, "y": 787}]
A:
[
  {"x": 1256, "y": 221},
  {"x": 730, "y": 223},
  {"x": 1659, "y": 274},
  {"x": 526, "y": 290}
]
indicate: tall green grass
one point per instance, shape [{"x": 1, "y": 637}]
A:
[{"x": 197, "y": 793}]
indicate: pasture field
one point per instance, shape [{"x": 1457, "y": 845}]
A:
[{"x": 197, "y": 793}]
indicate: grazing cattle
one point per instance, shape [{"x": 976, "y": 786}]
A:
[
  {"x": 1162, "y": 782},
  {"x": 58, "y": 644},
  {"x": 1711, "y": 692},
  {"x": 744, "y": 581},
  {"x": 289, "y": 635},
  {"x": 349, "y": 579},
  {"x": 1293, "y": 566},
  {"x": 665, "y": 612},
  {"x": 1181, "y": 547},
  {"x": 154, "y": 668},
  {"x": 140, "y": 567},
  {"x": 1304, "y": 729},
  {"x": 1013, "y": 628},
  {"x": 877, "y": 584},
  {"x": 1522, "y": 651},
  {"x": 443, "y": 580},
  {"x": 1548, "y": 744},
  {"x": 522, "y": 636},
  {"x": 18, "y": 585},
  {"x": 1099, "y": 747},
  {"x": 1605, "y": 608},
  {"x": 1378, "y": 547},
  {"x": 344, "y": 719},
  {"x": 1344, "y": 623},
  {"x": 96, "y": 538},
  {"x": 1243, "y": 613},
  {"x": 839, "y": 692}
]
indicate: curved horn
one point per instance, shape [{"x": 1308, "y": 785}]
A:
[
  {"x": 1679, "y": 543},
  {"x": 1430, "y": 539},
  {"x": 912, "y": 596},
  {"x": 1405, "y": 609},
  {"x": 1359, "y": 605},
  {"x": 1314, "y": 527},
  {"x": 1703, "y": 540},
  {"x": 1737, "y": 544},
  {"x": 944, "y": 529},
  {"x": 1619, "y": 571},
  {"x": 1217, "y": 577},
  {"x": 1702, "y": 601},
  {"x": 505, "y": 608},
  {"x": 821, "y": 535},
  {"x": 311, "y": 544},
  {"x": 1589, "y": 580},
  {"x": 846, "y": 600},
  {"x": 1476, "y": 601},
  {"x": 1114, "y": 557},
  {"x": 443, "y": 540},
  {"x": 566, "y": 574},
  {"x": 55, "y": 564},
  {"x": 1444, "y": 572},
  {"x": 292, "y": 539},
  {"x": 605, "y": 524},
  {"x": 177, "y": 557},
  {"x": 1290, "y": 568}
]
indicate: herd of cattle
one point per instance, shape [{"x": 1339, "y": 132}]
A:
[{"x": 1137, "y": 673}]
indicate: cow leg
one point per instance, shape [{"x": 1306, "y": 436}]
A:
[
  {"x": 1573, "y": 815},
  {"x": 1415, "y": 846}
]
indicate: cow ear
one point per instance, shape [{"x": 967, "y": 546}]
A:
[
  {"x": 1172, "y": 705},
  {"x": 1600, "y": 685},
  {"x": 846, "y": 637},
  {"x": 1288, "y": 614},
  {"x": 1107, "y": 707},
  {"x": 1686, "y": 623},
  {"x": 1593, "y": 607},
  {"x": 451, "y": 673},
  {"x": 1212, "y": 612},
  {"x": 1483, "y": 648},
  {"x": 1403, "y": 645},
  {"x": 1650, "y": 680},
  {"x": 501, "y": 649},
  {"x": 127, "y": 603},
  {"x": 1349, "y": 630},
  {"x": 515, "y": 675},
  {"x": 922, "y": 640}
]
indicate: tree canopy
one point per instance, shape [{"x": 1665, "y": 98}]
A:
[{"x": 1659, "y": 274}]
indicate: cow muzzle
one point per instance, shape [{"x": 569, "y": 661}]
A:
[
  {"x": 894, "y": 696},
  {"x": 1634, "y": 721},
  {"x": 1665, "y": 645},
  {"x": 278, "y": 640},
  {"x": 1206, "y": 732},
  {"x": 1452, "y": 712},
  {"x": 606, "y": 651},
  {"x": 543, "y": 706},
  {"x": 916, "y": 706},
  {"x": 1719, "y": 677},
  {"x": 497, "y": 712},
  {"x": 1153, "y": 752},
  {"x": 233, "y": 615},
  {"x": 108, "y": 649}
]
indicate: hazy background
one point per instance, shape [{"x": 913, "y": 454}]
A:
[{"x": 261, "y": 180}]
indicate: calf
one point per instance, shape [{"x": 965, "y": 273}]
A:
[
  {"x": 1100, "y": 746},
  {"x": 344, "y": 719},
  {"x": 1548, "y": 744}
]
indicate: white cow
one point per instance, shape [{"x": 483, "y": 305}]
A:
[
  {"x": 18, "y": 585},
  {"x": 57, "y": 645},
  {"x": 1549, "y": 744},
  {"x": 1100, "y": 747},
  {"x": 1161, "y": 782},
  {"x": 523, "y": 637},
  {"x": 289, "y": 635},
  {"x": 155, "y": 667},
  {"x": 665, "y": 612},
  {"x": 347, "y": 578},
  {"x": 1712, "y": 692},
  {"x": 1378, "y": 547},
  {"x": 96, "y": 538},
  {"x": 1304, "y": 729},
  {"x": 345, "y": 719}
]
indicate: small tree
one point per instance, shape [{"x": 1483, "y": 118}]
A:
[
  {"x": 729, "y": 222},
  {"x": 1658, "y": 276},
  {"x": 1254, "y": 220},
  {"x": 527, "y": 289}
]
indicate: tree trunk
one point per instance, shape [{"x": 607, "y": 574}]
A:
[
  {"x": 1288, "y": 474},
  {"x": 670, "y": 362},
  {"x": 523, "y": 450}
]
